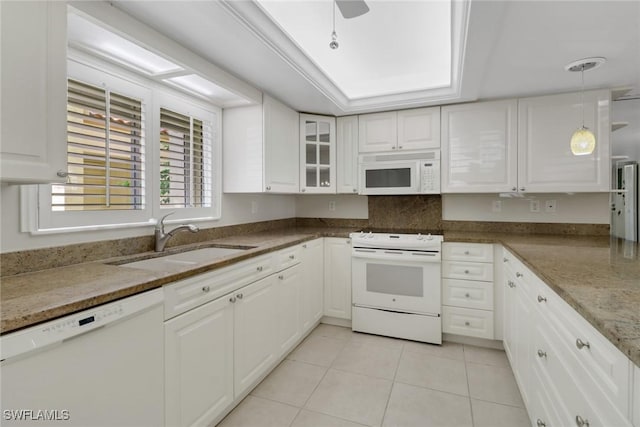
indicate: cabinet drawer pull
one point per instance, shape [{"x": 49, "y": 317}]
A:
[
  {"x": 467, "y": 323},
  {"x": 542, "y": 354},
  {"x": 581, "y": 422},
  {"x": 232, "y": 299},
  {"x": 304, "y": 246},
  {"x": 206, "y": 288},
  {"x": 505, "y": 259},
  {"x": 292, "y": 257},
  {"x": 268, "y": 187},
  {"x": 514, "y": 188},
  {"x": 540, "y": 423},
  {"x": 239, "y": 296},
  {"x": 281, "y": 277},
  {"x": 541, "y": 298},
  {"x": 580, "y": 344},
  {"x": 522, "y": 188},
  {"x": 467, "y": 295},
  {"x": 518, "y": 274},
  {"x": 259, "y": 268},
  {"x": 62, "y": 174},
  {"x": 466, "y": 272},
  {"x": 466, "y": 252},
  {"x": 511, "y": 284}
]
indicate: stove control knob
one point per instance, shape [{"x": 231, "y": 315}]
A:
[
  {"x": 420, "y": 237},
  {"x": 370, "y": 235},
  {"x": 429, "y": 236}
]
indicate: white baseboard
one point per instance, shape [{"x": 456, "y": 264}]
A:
[
  {"x": 336, "y": 321},
  {"x": 479, "y": 342}
]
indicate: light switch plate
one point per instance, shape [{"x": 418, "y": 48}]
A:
[{"x": 534, "y": 205}]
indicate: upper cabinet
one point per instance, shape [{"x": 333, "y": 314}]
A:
[
  {"x": 260, "y": 148},
  {"x": 523, "y": 145},
  {"x": 545, "y": 126},
  {"x": 317, "y": 154},
  {"x": 347, "y": 155},
  {"x": 479, "y": 147},
  {"x": 415, "y": 129},
  {"x": 33, "y": 133}
]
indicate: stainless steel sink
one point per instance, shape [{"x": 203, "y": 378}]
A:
[{"x": 174, "y": 261}]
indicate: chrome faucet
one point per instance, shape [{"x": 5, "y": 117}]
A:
[{"x": 162, "y": 238}]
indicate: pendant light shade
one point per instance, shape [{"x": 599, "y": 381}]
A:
[{"x": 583, "y": 141}]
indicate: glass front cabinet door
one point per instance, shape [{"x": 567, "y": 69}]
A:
[{"x": 317, "y": 154}]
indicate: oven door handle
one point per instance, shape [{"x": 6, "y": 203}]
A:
[{"x": 386, "y": 255}]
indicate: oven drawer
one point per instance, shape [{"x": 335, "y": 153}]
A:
[
  {"x": 467, "y": 270},
  {"x": 467, "y": 294},
  {"x": 399, "y": 325},
  {"x": 475, "y": 252},
  {"x": 467, "y": 321}
]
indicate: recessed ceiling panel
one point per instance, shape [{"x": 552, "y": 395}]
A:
[{"x": 397, "y": 47}]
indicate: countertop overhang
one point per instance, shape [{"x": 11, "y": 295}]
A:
[{"x": 599, "y": 277}]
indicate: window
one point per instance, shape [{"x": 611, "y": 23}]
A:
[
  {"x": 185, "y": 161},
  {"x": 105, "y": 152}
]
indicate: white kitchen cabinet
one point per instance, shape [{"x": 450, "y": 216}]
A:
[
  {"x": 480, "y": 147},
  {"x": 260, "y": 148},
  {"x": 337, "y": 277},
  {"x": 347, "y": 155},
  {"x": 199, "y": 364},
  {"x": 545, "y": 126},
  {"x": 33, "y": 131},
  {"x": 288, "y": 287},
  {"x": 635, "y": 406},
  {"x": 255, "y": 323},
  {"x": 414, "y": 129},
  {"x": 311, "y": 283},
  {"x": 317, "y": 154}
]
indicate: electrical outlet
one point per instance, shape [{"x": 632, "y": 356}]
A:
[
  {"x": 332, "y": 205},
  {"x": 550, "y": 206},
  {"x": 534, "y": 205},
  {"x": 496, "y": 206},
  {"x": 254, "y": 207}
]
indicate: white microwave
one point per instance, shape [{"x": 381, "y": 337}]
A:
[{"x": 400, "y": 173}]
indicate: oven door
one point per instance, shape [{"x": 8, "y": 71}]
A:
[
  {"x": 393, "y": 177},
  {"x": 402, "y": 281}
]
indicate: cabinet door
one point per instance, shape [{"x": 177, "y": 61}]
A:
[
  {"x": 337, "y": 278},
  {"x": 347, "y": 155},
  {"x": 311, "y": 283},
  {"x": 317, "y": 154},
  {"x": 479, "y": 147},
  {"x": 377, "y": 132},
  {"x": 545, "y": 126},
  {"x": 280, "y": 147},
  {"x": 199, "y": 364},
  {"x": 523, "y": 334},
  {"x": 419, "y": 128},
  {"x": 288, "y": 310},
  {"x": 33, "y": 84},
  {"x": 255, "y": 323},
  {"x": 509, "y": 316}
]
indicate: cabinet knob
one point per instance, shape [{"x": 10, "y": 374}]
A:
[
  {"x": 304, "y": 246},
  {"x": 292, "y": 257},
  {"x": 206, "y": 288},
  {"x": 521, "y": 188},
  {"x": 466, "y": 323},
  {"x": 303, "y": 190},
  {"x": 581, "y": 422},
  {"x": 355, "y": 190},
  {"x": 540, "y": 423},
  {"x": 393, "y": 148},
  {"x": 239, "y": 296},
  {"x": 467, "y": 295},
  {"x": 518, "y": 274},
  {"x": 400, "y": 147},
  {"x": 581, "y": 344},
  {"x": 62, "y": 174},
  {"x": 281, "y": 277},
  {"x": 466, "y": 272},
  {"x": 505, "y": 259},
  {"x": 511, "y": 284},
  {"x": 259, "y": 268},
  {"x": 541, "y": 298},
  {"x": 268, "y": 187},
  {"x": 232, "y": 299},
  {"x": 466, "y": 252},
  {"x": 542, "y": 354},
  {"x": 514, "y": 189}
]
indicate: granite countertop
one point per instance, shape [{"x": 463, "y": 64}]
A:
[{"x": 598, "y": 277}]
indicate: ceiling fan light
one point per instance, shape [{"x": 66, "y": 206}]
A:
[{"x": 583, "y": 142}]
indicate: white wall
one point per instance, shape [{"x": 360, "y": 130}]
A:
[
  {"x": 626, "y": 141},
  {"x": 236, "y": 209},
  {"x": 346, "y": 206},
  {"x": 585, "y": 208}
]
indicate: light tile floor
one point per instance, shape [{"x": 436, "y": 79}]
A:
[{"x": 340, "y": 378}]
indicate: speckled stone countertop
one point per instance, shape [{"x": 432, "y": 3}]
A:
[{"x": 598, "y": 277}]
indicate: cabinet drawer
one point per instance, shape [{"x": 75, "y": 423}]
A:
[
  {"x": 476, "y": 252},
  {"x": 467, "y": 270},
  {"x": 189, "y": 293},
  {"x": 468, "y": 322},
  {"x": 467, "y": 293},
  {"x": 288, "y": 257},
  {"x": 600, "y": 364}
]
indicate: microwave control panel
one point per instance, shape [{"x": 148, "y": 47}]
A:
[{"x": 430, "y": 177}]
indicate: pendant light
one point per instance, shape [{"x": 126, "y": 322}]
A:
[
  {"x": 583, "y": 141},
  {"x": 334, "y": 37}
]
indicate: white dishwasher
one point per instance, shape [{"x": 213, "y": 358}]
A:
[{"x": 100, "y": 367}]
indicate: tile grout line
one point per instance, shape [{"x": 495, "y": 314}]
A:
[
  {"x": 466, "y": 372},
  {"x": 393, "y": 384}
]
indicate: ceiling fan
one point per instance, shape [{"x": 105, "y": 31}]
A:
[
  {"x": 349, "y": 9},
  {"x": 352, "y": 8}
]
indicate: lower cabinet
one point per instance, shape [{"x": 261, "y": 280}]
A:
[
  {"x": 567, "y": 372},
  {"x": 311, "y": 283},
  {"x": 337, "y": 277},
  {"x": 288, "y": 326}
]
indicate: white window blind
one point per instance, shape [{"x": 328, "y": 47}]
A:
[
  {"x": 185, "y": 161},
  {"x": 105, "y": 151}
]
